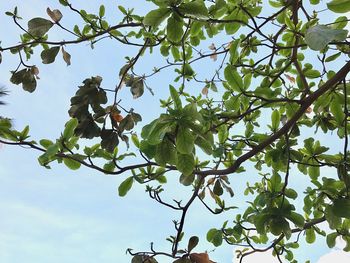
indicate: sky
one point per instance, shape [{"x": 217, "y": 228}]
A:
[{"x": 59, "y": 215}]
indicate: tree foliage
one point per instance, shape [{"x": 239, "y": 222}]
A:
[{"x": 279, "y": 69}]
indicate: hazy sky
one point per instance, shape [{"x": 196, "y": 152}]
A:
[{"x": 59, "y": 215}]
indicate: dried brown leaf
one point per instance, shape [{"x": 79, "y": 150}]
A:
[
  {"x": 35, "y": 71},
  {"x": 205, "y": 91},
  {"x": 212, "y": 47},
  {"x": 308, "y": 110},
  {"x": 200, "y": 258},
  {"x": 66, "y": 56},
  {"x": 290, "y": 78},
  {"x": 55, "y": 14},
  {"x": 214, "y": 56}
]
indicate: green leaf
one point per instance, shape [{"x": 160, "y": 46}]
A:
[
  {"x": 312, "y": 73},
  {"x": 341, "y": 208},
  {"x": 260, "y": 221},
  {"x": 204, "y": 144},
  {"x": 49, "y": 55},
  {"x": 102, "y": 11},
  {"x": 310, "y": 235},
  {"x": 187, "y": 70},
  {"x": 291, "y": 193},
  {"x": 347, "y": 246},
  {"x": 214, "y": 236},
  {"x": 233, "y": 103},
  {"x": 52, "y": 150},
  {"x": 196, "y": 9},
  {"x": 157, "y": 134},
  {"x": 340, "y": 22},
  {"x": 222, "y": 133},
  {"x": 275, "y": 182},
  {"x": 125, "y": 186},
  {"x": 38, "y": 26},
  {"x": 275, "y": 119},
  {"x": 71, "y": 164},
  {"x": 232, "y": 27},
  {"x": 233, "y": 78},
  {"x": 333, "y": 57},
  {"x": 148, "y": 149},
  {"x": 176, "y": 98},
  {"x": 331, "y": 239},
  {"x": 24, "y": 134},
  {"x": 184, "y": 140},
  {"x": 339, "y": 6},
  {"x": 196, "y": 28},
  {"x": 110, "y": 166},
  {"x": 278, "y": 225},
  {"x": 165, "y": 153},
  {"x": 187, "y": 180},
  {"x": 336, "y": 109},
  {"x": 333, "y": 220},
  {"x": 314, "y": 172},
  {"x": 174, "y": 29},
  {"x": 45, "y": 143},
  {"x": 156, "y": 17},
  {"x": 185, "y": 163},
  {"x": 69, "y": 128},
  {"x": 234, "y": 50},
  {"x": 63, "y": 2},
  {"x": 297, "y": 219},
  {"x": 192, "y": 243},
  {"x": 319, "y": 36},
  {"x": 135, "y": 140},
  {"x": 275, "y": 4}
]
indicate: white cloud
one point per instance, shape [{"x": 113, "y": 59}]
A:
[{"x": 338, "y": 256}]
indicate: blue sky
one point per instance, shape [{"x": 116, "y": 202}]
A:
[{"x": 62, "y": 216}]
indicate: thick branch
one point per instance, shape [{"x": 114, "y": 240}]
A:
[{"x": 341, "y": 74}]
